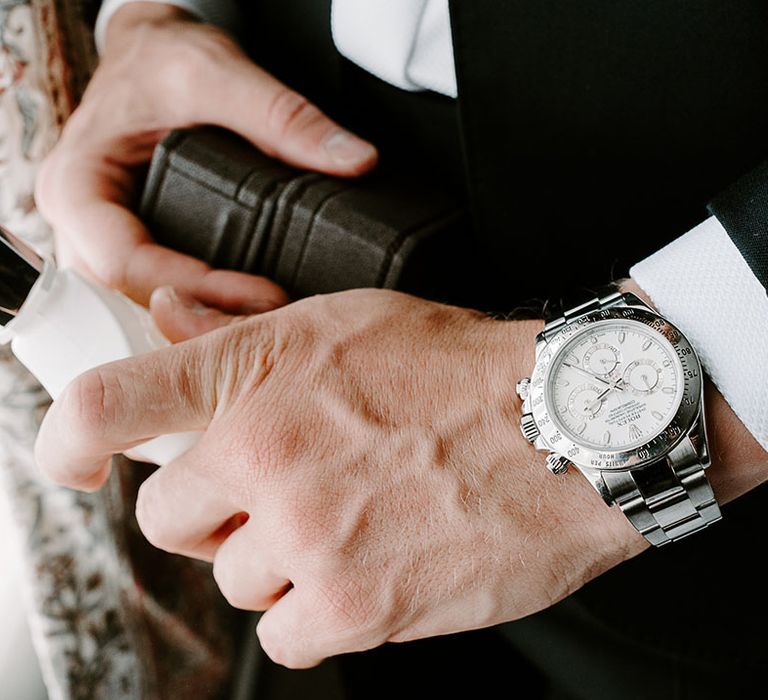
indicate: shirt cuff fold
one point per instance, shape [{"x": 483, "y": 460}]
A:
[{"x": 703, "y": 285}]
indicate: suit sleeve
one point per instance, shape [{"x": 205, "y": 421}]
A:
[
  {"x": 743, "y": 211},
  {"x": 712, "y": 283},
  {"x": 222, "y": 13}
]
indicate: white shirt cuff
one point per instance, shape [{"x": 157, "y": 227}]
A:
[
  {"x": 222, "y": 13},
  {"x": 703, "y": 285}
]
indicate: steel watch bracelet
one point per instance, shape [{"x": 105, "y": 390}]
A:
[{"x": 665, "y": 500}]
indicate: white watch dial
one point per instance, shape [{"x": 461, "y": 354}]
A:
[{"x": 615, "y": 386}]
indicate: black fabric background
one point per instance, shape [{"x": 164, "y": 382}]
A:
[{"x": 598, "y": 130}]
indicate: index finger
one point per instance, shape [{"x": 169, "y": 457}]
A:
[
  {"x": 128, "y": 260},
  {"x": 122, "y": 404}
]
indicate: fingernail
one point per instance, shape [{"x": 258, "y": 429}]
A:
[
  {"x": 347, "y": 149},
  {"x": 186, "y": 301},
  {"x": 168, "y": 292}
]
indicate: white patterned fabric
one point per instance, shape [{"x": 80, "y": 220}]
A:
[{"x": 704, "y": 286}]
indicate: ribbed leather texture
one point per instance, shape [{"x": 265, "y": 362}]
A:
[{"x": 213, "y": 196}]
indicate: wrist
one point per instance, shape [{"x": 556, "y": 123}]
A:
[
  {"x": 134, "y": 16},
  {"x": 630, "y": 286},
  {"x": 590, "y": 534}
]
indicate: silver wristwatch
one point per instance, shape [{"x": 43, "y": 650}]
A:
[{"x": 617, "y": 392}]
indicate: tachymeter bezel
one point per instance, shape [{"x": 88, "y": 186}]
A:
[{"x": 680, "y": 424}]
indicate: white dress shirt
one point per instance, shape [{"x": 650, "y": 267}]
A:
[{"x": 700, "y": 282}]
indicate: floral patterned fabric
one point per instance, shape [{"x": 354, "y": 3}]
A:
[{"x": 111, "y": 617}]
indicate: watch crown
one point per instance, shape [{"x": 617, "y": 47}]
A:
[
  {"x": 557, "y": 464},
  {"x": 523, "y": 388},
  {"x": 528, "y": 427}
]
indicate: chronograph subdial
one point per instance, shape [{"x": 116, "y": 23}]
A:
[
  {"x": 602, "y": 358},
  {"x": 583, "y": 401},
  {"x": 642, "y": 376}
]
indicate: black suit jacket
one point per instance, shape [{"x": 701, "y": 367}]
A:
[
  {"x": 597, "y": 131},
  {"x": 587, "y": 134}
]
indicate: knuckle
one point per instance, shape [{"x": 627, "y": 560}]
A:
[
  {"x": 288, "y": 111},
  {"x": 290, "y": 658},
  {"x": 273, "y": 647},
  {"x": 43, "y": 186},
  {"x": 92, "y": 403},
  {"x": 45, "y": 458},
  {"x": 113, "y": 274},
  {"x": 211, "y": 45},
  {"x": 283, "y": 651},
  {"x": 177, "y": 77},
  {"x": 232, "y": 587},
  {"x": 193, "y": 58},
  {"x": 53, "y": 183},
  {"x": 147, "y": 512}
]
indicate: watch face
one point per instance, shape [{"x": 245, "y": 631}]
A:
[
  {"x": 614, "y": 386},
  {"x": 614, "y": 389}
]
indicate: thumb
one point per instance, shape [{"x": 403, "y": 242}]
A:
[
  {"x": 180, "y": 316},
  {"x": 280, "y": 121}
]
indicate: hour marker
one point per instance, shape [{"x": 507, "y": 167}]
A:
[
  {"x": 622, "y": 336},
  {"x": 634, "y": 432},
  {"x": 562, "y": 382},
  {"x": 668, "y": 390},
  {"x": 667, "y": 363},
  {"x": 593, "y": 339},
  {"x": 580, "y": 429},
  {"x": 607, "y": 437},
  {"x": 563, "y": 409},
  {"x": 657, "y": 415},
  {"x": 646, "y": 344},
  {"x": 571, "y": 359}
]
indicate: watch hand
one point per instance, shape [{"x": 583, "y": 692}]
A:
[
  {"x": 596, "y": 403},
  {"x": 592, "y": 407},
  {"x": 647, "y": 383},
  {"x": 589, "y": 374}
]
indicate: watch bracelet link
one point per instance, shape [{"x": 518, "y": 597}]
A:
[
  {"x": 558, "y": 313},
  {"x": 665, "y": 500}
]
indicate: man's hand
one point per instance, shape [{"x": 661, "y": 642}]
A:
[
  {"x": 161, "y": 71},
  {"x": 362, "y": 476}
]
